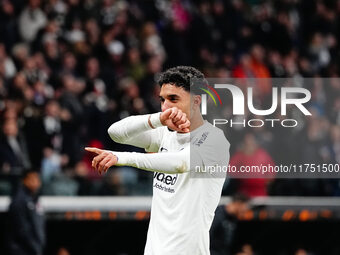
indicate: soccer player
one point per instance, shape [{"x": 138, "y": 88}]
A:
[{"x": 185, "y": 196}]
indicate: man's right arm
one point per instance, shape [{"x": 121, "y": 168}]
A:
[
  {"x": 139, "y": 130},
  {"x": 136, "y": 130}
]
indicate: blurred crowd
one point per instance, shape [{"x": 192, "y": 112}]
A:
[{"x": 70, "y": 68}]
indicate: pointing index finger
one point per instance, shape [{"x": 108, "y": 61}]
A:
[{"x": 94, "y": 150}]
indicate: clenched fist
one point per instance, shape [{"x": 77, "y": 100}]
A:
[{"x": 175, "y": 119}]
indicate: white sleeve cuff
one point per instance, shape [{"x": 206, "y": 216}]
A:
[
  {"x": 155, "y": 120},
  {"x": 122, "y": 157}
]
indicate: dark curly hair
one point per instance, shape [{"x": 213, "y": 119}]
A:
[{"x": 181, "y": 76}]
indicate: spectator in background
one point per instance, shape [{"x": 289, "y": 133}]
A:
[
  {"x": 130, "y": 101},
  {"x": 44, "y": 131},
  {"x": 135, "y": 67},
  {"x": 26, "y": 232},
  {"x": 96, "y": 100},
  {"x": 52, "y": 54},
  {"x": 74, "y": 109},
  {"x": 147, "y": 84},
  {"x": 251, "y": 154},
  {"x": 52, "y": 164},
  {"x": 152, "y": 43},
  {"x": 224, "y": 225},
  {"x": 52, "y": 124},
  {"x": 14, "y": 156},
  {"x": 116, "y": 49},
  {"x": 92, "y": 74},
  {"x": 244, "y": 69},
  {"x": 8, "y": 11},
  {"x": 20, "y": 52},
  {"x": 31, "y": 20},
  {"x": 8, "y": 64},
  {"x": 318, "y": 51},
  {"x": 69, "y": 65},
  {"x": 19, "y": 87}
]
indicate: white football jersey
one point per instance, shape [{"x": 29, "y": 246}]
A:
[{"x": 184, "y": 201}]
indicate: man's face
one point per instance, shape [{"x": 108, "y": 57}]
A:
[
  {"x": 173, "y": 96},
  {"x": 32, "y": 182},
  {"x": 10, "y": 128}
]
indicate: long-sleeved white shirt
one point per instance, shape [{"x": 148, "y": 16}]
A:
[{"x": 184, "y": 199}]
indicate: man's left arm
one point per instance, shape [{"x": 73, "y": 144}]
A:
[
  {"x": 168, "y": 162},
  {"x": 214, "y": 153}
]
